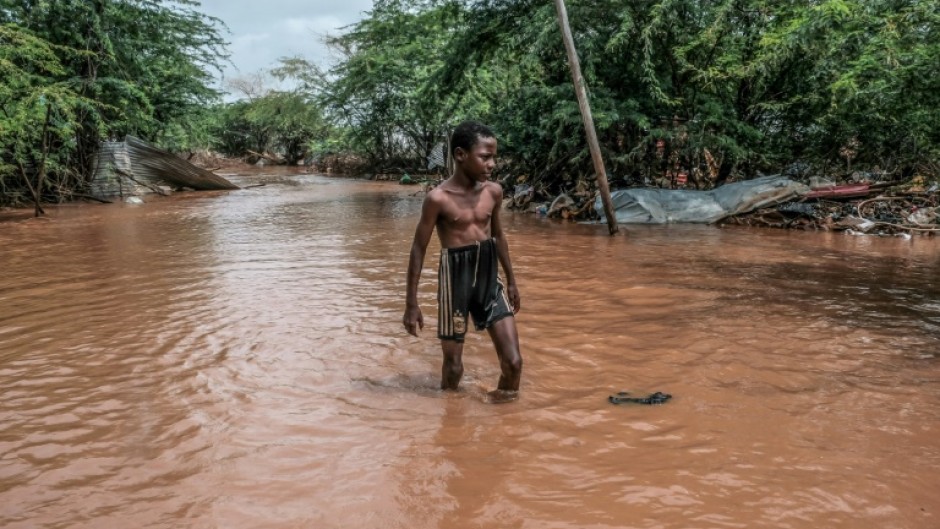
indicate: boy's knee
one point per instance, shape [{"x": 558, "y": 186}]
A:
[
  {"x": 453, "y": 369},
  {"x": 513, "y": 364}
]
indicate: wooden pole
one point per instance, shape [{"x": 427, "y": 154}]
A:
[
  {"x": 600, "y": 171},
  {"x": 42, "y": 164}
]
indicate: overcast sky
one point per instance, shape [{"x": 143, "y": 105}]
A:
[{"x": 262, "y": 31}]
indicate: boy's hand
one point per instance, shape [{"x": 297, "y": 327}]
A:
[
  {"x": 413, "y": 320},
  {"x": 513, "y": 293}
]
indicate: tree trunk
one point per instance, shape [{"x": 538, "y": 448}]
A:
[{"x": 37, "y": 193}]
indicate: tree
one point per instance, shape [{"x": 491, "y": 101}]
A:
[
  {"x": 119, "y": 66},
  {"x": 35, "y": 114},
  {"x": 713, "y": 89},
  {"x": 286, "y": 122},
  {"x": 380, "y": 90}
]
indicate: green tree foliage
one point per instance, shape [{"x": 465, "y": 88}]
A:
[
  {"x": 100, "y": 68},
  {"x": 287, "y": 123},
  {"x": 381, "y": 92},
  {"x": 716, "y": 89},
  {"x": 35, "y": 114}
]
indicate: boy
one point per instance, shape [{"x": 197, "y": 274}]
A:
[{"x": 465, "y": 210}]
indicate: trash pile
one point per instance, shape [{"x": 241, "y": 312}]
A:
[
  {"x": 657, "y": 205},
  {"x": 575, "y": 204},
  {"x": 860, "y": 207},
  {"x": 867, "y": 209}
]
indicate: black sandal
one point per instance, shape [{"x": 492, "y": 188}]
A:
[{"x": 654, "y": 398}]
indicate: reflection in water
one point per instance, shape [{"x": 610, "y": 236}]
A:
[{"x": 236, "y": 360}]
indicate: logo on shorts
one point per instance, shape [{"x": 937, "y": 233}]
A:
[{"x": 460, "y": 323}]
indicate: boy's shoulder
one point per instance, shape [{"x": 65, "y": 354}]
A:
[
  {"x": 440, "y": 192},
  {"x": 494, "y": 186},
  {"x": 437, "y": 194}
]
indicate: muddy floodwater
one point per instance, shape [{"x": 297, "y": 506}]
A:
[{"x": 237, "y": 360}]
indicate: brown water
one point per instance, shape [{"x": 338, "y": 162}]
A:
[{"x": 237, "y": 360}]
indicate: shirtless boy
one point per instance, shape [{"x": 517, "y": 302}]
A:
[{"x": 465, "y": 210}]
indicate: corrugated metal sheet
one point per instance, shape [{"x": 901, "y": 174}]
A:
[
  {"x": 112, "y": 162},
  {"x": 134, "y": 167}
]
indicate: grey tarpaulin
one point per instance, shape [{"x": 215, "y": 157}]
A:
[{"x": 662, "y": 206}]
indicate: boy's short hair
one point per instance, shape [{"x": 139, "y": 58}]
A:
[{"x": 467, "y": 134}]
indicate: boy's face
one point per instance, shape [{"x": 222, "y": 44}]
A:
[{"x": 478, "y": 163}]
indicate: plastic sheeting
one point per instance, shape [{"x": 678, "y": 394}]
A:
[{"x": 662, "y": 206}]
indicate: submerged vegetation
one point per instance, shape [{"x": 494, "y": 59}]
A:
[{"x": 691, "y": 91}]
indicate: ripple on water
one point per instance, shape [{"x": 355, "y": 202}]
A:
[{"x": 236, "y": 360}]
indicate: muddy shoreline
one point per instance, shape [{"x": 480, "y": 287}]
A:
[{"x": 910, "y": 210}]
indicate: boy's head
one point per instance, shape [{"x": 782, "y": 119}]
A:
[
  {"x": 467, "y": 134},
  {"x": 473, "y": 148}
]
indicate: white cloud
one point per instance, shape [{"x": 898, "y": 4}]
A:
[
  {"x": 313, "y": 26},
  {"x": 263, "y": 32},
  {"x": 248, "y": 40}
]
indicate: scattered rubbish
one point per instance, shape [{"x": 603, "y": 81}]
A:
[
  {"x": 624, "y": 397},
  {"x": 923, "y": 216},
  {"x": 816, "y": 182},
  {"x": 561, "y": 205},
  {"x": 522, "y": 195},
  {"x": 893, "y": 211},
  {"x": 863, "y": 202},
  {"x": 851, "y": 190},
  {"x": 803, "y": 208}
]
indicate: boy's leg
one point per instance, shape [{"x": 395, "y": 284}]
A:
[
  {"x": 452, "y": 370},
  {"x": 506, "y": 339}
]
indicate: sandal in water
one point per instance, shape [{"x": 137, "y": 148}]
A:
[{"x": 624, "y": 398}]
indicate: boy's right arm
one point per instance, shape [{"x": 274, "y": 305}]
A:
[{"x": 413, "y": 319}]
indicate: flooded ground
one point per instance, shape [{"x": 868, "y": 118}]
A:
[{"x": 236, "y": 360}]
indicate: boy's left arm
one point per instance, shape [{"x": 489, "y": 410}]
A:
[{"x": 502, "y": 249}]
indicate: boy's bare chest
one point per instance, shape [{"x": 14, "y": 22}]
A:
[{"x": 472, "y": 210}]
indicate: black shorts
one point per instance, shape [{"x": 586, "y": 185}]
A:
[{"x": 468, "y": 283}]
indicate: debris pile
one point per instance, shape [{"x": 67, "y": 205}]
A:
[
  {"x": 860, "y": 207},
  {"x": 574, "y": 204},
  {"x": 656, "y": 205},
  {"x": 881, "y": 210}
]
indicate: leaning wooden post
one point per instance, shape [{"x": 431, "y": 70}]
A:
[
  {"x": 586, "y": 116},
  {"x": 37, "y": 194}
]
